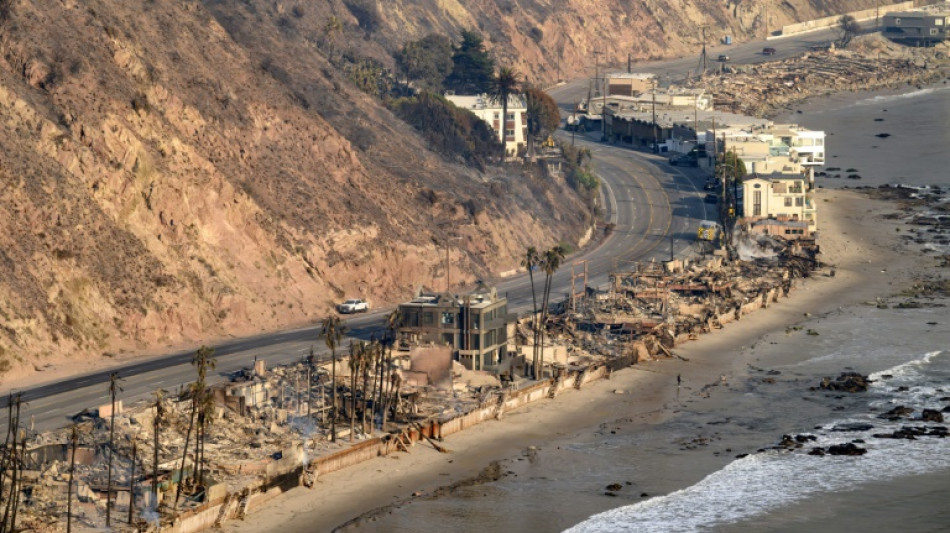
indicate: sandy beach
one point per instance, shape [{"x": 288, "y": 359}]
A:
[{"x": 869, "y": 263}]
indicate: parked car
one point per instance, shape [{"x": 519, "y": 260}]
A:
[
  {"x": 711, "y": 198},
  {"x": 768, "y": 51},
  {"x": 723, "y": 58},
  {"x": 353, "y": 305},
  {"x": 711, "y": 186}
]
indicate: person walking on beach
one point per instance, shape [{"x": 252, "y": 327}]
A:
[{"x": 679, "y": 380}]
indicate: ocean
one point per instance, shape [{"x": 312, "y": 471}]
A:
[
  {"x": 621, "y": 477},
  {"x": 898, "y": 484},
  {"x": 883, "y": 137}
]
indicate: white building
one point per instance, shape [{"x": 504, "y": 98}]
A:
[
  {"x": 775, "y": 148},
  {"x": 516, "y": 124},
  {"x": 781, "y": 197}
]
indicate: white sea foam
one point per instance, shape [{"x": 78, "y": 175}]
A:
[
  {"x": 758, "y": 483},
  {"x": 909, "y": 368},
  {"x": 882, "y": 99}
]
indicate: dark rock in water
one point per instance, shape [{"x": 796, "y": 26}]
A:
[
  {"x": 788, "y": 442},
  {"x": 886, "y": 376},
  {"x": 931, "y": 415},
  {"x": 846, "y": 382},
  {"x": 896, "y": 413},
  {"x": 819, "y": 451},
  {"x": 741, "y": 455},
  {"x": 805, "y": 438},
  {"x": 903, "y": 388},
  {"x": 945, "y": 399},
  {"x": 847, "y": 448},
  {"x": 854, "y": 426},
  {"x": 773, "y": 372},
  {"x": 854, "y": 176},
  {"x": 883, "y": 135},
  {"x": 614, "y": 487},
  {"x": 879, "y": 120},
  {"x": 610, "y": 494},
  {"x": 858, "y": 441},
  {"x": 945, "y": 409},
  {"x": 644, "y": 495}
]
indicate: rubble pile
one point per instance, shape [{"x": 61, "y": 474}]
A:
[
  {"x": 764, "y": 89},
  {"x": 650, "y": 309}
]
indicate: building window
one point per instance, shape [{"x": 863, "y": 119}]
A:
[
  {"x": 799, "y": 202},
  {"x": 497, "y": 115},
  {"x": 510, "y": 135},
  {"x": 938, "y": 22},
  {"x": 448, "y": 319},
  {"x": 934, "y": 31},
  {"x": 757, "y": 203},
  {"x": 427, "y": 318},
  {"x": 897, "y": 21},
  {"x": 511, "y": 116},
  {"x": 788, "y": 201}
]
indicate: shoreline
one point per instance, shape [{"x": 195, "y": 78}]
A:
[{"x": 643, "y": 392}]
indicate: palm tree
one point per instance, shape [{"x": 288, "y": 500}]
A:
[
  {"x": 202, "y": 361},
  {"x": 505, "y": 84},
  {"x": 369, "y": 360},
  {"x": 356, "y": 359},
  {"x": 311, "y": 360},
  {"x": 73, "y": 439},
  {"x": 157, "y": 423},
  {"x": 530, "y": 261},
  {"x": 113, "y": 389},
  {"x": 393, "y": 322},
  {"x": 332, "y": 332},
  {"x": 552, "y": 262}
]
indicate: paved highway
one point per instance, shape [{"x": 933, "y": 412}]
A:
[{"x": 648, "y": 201}]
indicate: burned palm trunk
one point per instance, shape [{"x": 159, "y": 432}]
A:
[{"x": 73, "y": 438}]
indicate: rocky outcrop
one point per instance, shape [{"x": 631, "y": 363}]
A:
[{"x": 846, "y": 382}]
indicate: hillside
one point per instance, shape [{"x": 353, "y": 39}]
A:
[
  {"x": 161, "y": 184},
  {"x": 176, "y": 172}
]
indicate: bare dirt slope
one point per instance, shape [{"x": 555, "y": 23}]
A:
[
  {"x": 163, "y": 184},
  {"x": 540, "y": 37}
]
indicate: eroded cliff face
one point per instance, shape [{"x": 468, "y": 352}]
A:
[
  {"x": 162, "y": 184},
  {"x": 541, "y": 37}
]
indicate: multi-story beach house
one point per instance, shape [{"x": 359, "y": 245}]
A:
[
  {"x": 515, "y": 124},
  {"x": 779, "y": 204},
  {"x": 475, "y": 325}
]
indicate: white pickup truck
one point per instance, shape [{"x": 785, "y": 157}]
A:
[{"x": 353, "y": 305}]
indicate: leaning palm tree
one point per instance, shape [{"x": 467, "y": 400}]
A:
[
  {"x": 505, "y": 84},
  {"x": 551, "y": 263},
  {"x": 332, "y": 332},
  {"x": 531, "y": 260}
]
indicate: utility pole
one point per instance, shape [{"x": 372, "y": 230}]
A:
[
  {"x": 702, "y": 55},
  {"x": 628, "y": 63},
  {"x": 655, "y": 147}
]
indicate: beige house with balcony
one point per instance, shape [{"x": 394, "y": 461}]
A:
[
  {"x": 780, "y": 198},
  {"x": 516, "y": 124}
]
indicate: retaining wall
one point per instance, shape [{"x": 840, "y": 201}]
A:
[{"x": 829, "y": 22}]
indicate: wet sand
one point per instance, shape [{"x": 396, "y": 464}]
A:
[{"x": 869, "y": 264}]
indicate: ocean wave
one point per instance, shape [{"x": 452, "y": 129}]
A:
[
  {"x": 903, "y": 96},
  {"x": 910, "y": 367}
]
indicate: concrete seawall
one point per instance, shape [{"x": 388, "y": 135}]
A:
[{"x": 829, "y": 22}]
